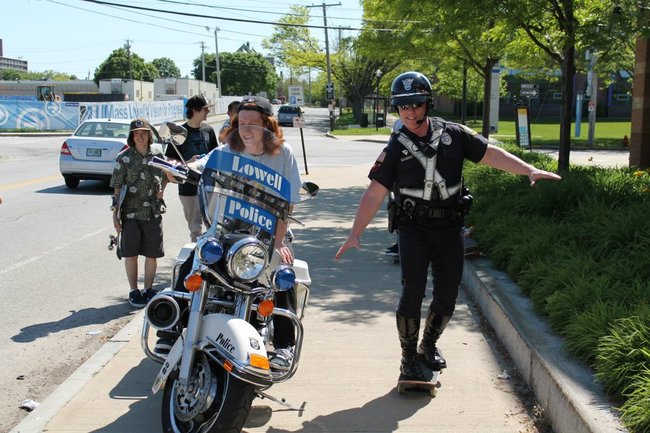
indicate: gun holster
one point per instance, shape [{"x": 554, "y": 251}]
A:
[{"x": 393, "y": 214}]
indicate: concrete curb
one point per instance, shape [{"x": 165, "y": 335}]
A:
[
  {"x": 37, "y": 420},
  {"x": 565, "y": 388}
]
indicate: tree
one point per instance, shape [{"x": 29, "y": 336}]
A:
[
  {"x": 127, "y": 65},
  {"x": 437, "y": 33},
  {"x": 243, "y": 73},
  {"x": 166, "y": 68},
  {"x": 356, "y": 73},
  {"x": 554, "y": 30},
  {"x": 352, "y": 69},
  {"x": 10, "y": 75},
  {"x": 292, "y": 45}
]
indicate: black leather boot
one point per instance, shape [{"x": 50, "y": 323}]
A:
[
  {"x": 408, "y": 329},
  {"x": 428, "y": 351}
]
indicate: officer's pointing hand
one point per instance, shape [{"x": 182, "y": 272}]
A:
[
  {"x": 350, "y": 242},
  {"x": 535, "y": 175}
]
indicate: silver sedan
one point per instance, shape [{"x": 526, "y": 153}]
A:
[{"x": 90, "y": 152}]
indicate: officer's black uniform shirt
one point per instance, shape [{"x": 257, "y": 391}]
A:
[
  {"x": 397, "y": 168},
  {"x": 199, "y": 141}
]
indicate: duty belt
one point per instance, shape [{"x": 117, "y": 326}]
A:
[{"x": 421, "y": 212}]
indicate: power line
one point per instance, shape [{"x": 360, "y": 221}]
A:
[{"x": 241, "y": 20}]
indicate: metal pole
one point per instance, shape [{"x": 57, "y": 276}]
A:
[
  {"x": 329, "y": 69},
  {"x": 202, "y": 62},
  {"x": 378, "y": 73},
  {"x": 593, "y": 99},
  {"x": 327, "y": 58},
  {"x": 216, "y": 47}
]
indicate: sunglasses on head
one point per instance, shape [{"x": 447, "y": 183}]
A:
[{"x": 412, "y": 106}]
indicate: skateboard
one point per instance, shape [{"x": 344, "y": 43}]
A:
[
  {"x": 430, "y": 385},
  {"x": 115, "y": 240}
]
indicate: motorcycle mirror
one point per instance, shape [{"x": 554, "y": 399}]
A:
[
  {"x": 310, "y": 188},
  {"x": 171, "y": 131}
]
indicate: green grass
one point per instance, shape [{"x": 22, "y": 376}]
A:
[{"x": 607, "y": 133}]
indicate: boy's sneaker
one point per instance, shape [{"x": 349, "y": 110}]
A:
[
  {"x": 282, "y": 359},
  {"x": 136, "y": 299},
  {"x": 148, "y": 294}
]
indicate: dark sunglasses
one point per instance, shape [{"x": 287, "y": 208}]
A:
[{"x": 411, "y": 106}]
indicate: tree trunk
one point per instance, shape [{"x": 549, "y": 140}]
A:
[
  {"x": 487, "y": 93},
  {"x": 568, "y": 74},
  {"x": 640, "y": 136}
]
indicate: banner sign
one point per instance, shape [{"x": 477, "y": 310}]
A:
[
  {"x": 238, "y": 164},
  {"x": 249, "y": 213},
  {"x": 154, "y": 111},
  {"x": 255, "y": 174},
  {"x": 38, "y": 115}
]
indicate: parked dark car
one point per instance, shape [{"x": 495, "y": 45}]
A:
[{"x": 286, "y": 113}]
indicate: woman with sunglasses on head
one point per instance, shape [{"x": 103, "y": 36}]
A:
[{"x": 422, "y": 165}]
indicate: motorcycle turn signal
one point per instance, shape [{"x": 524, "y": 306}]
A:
[{"x": 193, "y": 282}]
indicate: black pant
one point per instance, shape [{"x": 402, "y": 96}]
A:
[
  {"x": 440, "y": 246},
  {"x": 284, "y": 333}
]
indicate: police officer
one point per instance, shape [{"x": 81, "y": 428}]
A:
[{"x": 422, "y": 165}]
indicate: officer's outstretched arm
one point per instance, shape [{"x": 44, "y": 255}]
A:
[
  {"x": 498, "y": 158},
  {"x": 372, "y": 199}
]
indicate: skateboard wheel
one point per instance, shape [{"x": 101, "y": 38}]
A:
[
  {"x": 433, "y": 391},
  {"x": 400, "y": 389}
]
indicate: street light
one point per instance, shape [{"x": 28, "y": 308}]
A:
[
  {"x": 216, "y": 48},
  {"x": 378, "y": 74}
]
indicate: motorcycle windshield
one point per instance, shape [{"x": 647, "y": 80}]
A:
[{"x": 239, "y": 193}]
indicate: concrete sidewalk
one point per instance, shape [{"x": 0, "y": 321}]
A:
[{"x": 351, "y": 355}]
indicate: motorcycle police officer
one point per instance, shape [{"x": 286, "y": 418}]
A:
[{"x": 422, "y": 165}]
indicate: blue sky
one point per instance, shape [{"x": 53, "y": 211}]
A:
[{"x": 76, "y": 36}]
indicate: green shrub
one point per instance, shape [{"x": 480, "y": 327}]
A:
[
  {"x": 580, "y": 249},
  {"x": 636, "y": 410},
  {"x": 624, "y": 353}
]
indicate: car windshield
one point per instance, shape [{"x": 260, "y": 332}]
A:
[
  {"x": 103, "y": 129},
  {"x": 287, "y": 109}
]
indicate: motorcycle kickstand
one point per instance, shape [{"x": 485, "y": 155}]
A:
[{"x": 283, "y": 402}]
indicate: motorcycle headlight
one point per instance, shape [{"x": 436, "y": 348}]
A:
[
  {"x": 247, "y": 259},
  {"x": 284, "y": 277},
  {"x": 211, "y": 252}
]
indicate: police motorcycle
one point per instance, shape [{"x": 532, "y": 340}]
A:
[{"x": 221, "y": 361}]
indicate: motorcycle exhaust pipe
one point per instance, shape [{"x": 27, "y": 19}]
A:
[{"x": 162, "y": 312}]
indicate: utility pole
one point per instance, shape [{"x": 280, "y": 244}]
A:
[
  {"x": 202, "y": 62},
  {"x": 329, "y": 88},
  {"x": 128, "y": 52},
  {"x": 216, "y": 47}
]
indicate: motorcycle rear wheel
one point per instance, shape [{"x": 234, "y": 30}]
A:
[{"x": 215, "y": 402}]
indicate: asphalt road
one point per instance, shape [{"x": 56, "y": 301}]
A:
[{"x": 65, "y": 293}]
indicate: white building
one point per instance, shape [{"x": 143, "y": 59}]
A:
[
  {"x": 179, "y": 88},
  {"x": 135, "y": 90}
]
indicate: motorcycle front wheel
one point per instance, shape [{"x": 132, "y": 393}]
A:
[{"x": 213, "y": 402}]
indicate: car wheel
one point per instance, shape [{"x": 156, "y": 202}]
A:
[{"x": 71, "y": 181}]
